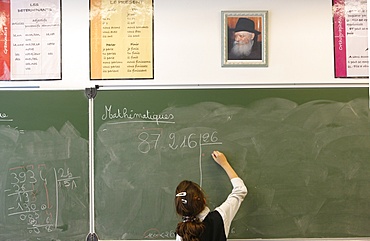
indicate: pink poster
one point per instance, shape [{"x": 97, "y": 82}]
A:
[
  {"x": 4, "y": 40},
  {"x": 30, "y": 40},
  {"x": 350, "y": 39}
]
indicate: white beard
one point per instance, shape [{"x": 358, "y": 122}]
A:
[{"x": 242, "y": 49}]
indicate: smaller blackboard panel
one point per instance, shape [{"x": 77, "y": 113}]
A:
[{"x": 44, "y": 176}]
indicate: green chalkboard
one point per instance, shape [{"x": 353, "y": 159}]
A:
[
  {"x": 304, "y": 154},
  {"x": 44, "y": 175}
]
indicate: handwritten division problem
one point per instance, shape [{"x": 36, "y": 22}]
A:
[
  {"x": 44, "y": 156},
  {"x": 43, "y": 183},
  {"x": 175, "y": 141},
  {"x": 165, "y": 134},
  {"x": 29, "y": 196}
]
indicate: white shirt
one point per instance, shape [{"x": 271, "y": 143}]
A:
[{"x": 230, "y": 207}]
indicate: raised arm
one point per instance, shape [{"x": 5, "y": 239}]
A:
[
  {"x": 230, "y": 207},
  {"x": 221, "y": 159}
]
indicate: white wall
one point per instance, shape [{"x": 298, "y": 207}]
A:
[{"x": 187, "y": 45}]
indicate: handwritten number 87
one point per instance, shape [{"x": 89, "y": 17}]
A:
[{"x": 146, "y": 139}]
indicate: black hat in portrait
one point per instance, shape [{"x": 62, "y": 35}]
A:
[{"x": 246, "y": 24}]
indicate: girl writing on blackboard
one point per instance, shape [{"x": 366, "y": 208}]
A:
[{"x": 198, "y": 222}]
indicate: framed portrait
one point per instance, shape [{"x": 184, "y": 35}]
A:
[{"x": 244, "y": 38}]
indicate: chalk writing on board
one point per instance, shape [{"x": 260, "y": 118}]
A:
[
  {"x": 43, "y": 183},
  {"x": 5, "y": 117},
  {"x": 158, "y": 139},
  {"x": 154, "y": 233},
  {"x": 65, "y": 178},
  {"x": 305, "y": 165},
  {"x": 28, "y": 196},
  {"x": 149, "y": 141},
  {"x": 127, "y": 114}
]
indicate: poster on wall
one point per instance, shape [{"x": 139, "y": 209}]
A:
[
  {"x": 30, "y": 40},
  {"x": 121, "y": 39},
  {"x": 350, "y": 38}
]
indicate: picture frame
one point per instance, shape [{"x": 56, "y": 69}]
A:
[{"x": 244, "y": 26}]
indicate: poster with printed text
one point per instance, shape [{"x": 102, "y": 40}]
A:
[
  {"x": 121, "y": 39},
  {"x": 30, "y": 40},
  {"x": 350, "y": 38}
]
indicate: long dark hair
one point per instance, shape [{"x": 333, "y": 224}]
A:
[{"x": 189, "y": 202}]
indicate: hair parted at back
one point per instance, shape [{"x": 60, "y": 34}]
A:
[{"x": 189, "y": 206}]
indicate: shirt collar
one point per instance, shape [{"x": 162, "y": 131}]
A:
[{"x": 203, "y": 214}]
